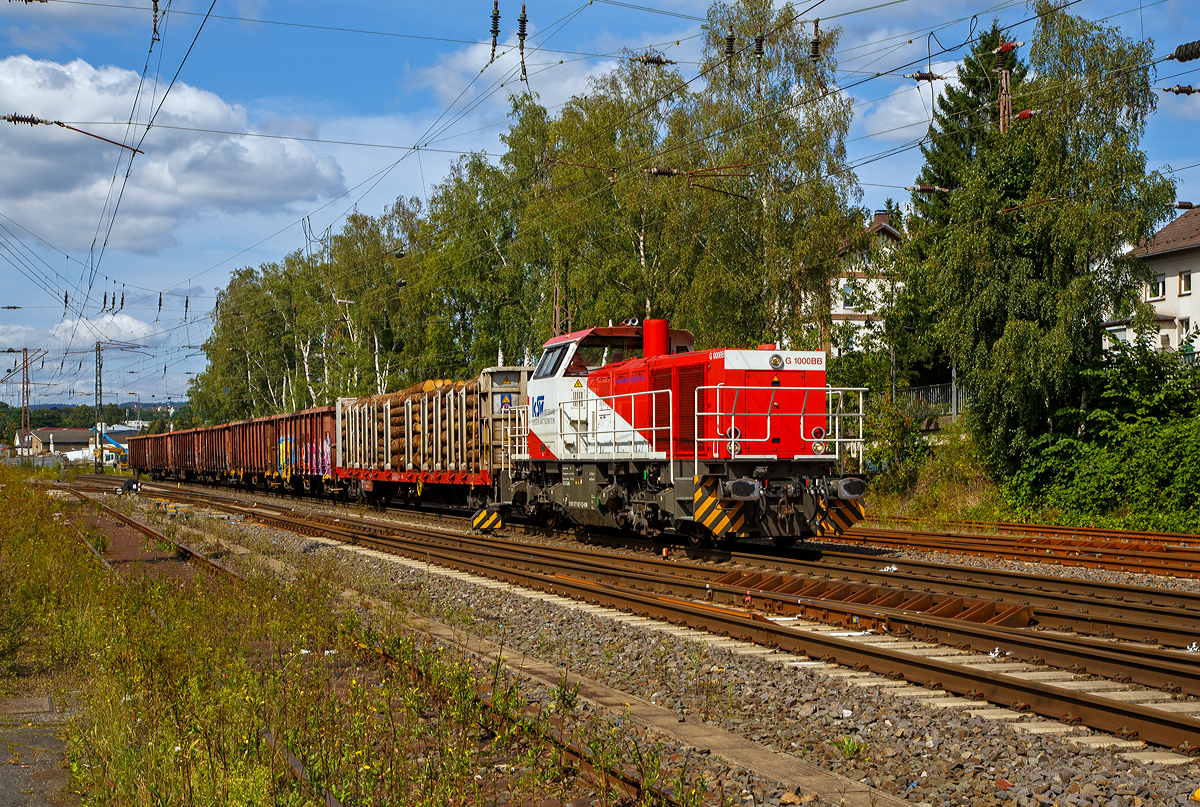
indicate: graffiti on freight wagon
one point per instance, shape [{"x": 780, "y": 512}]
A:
[{"x": 312, "y": 457}]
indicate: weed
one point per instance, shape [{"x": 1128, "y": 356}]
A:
[
  {"x": 179, "y": 683},
  {"x": 566, "y": 696},
  {"x": 850, "y": 746}
]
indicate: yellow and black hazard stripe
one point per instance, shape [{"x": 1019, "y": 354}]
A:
[
  {"x": 487, "y": 519},
  {"x": 721, "y": 517},
  {"x": 842, "y": 515}
]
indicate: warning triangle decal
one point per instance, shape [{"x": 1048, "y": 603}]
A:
[{"x": 578, "y": 384}]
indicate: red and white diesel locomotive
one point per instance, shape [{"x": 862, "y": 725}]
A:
[{"x": 623, "y": 427}]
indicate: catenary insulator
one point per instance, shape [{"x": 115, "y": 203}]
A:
[
  {"x": 657, "y": 61},
  {"x": 1181, "y": 90},
  {"x": 927, "y": 189},
  {"x": 1026, "y": 114},
  {"x": 1184, "y": 205},
  {"x": 521, "y": 22},
  {"x": 925, "y": 76},
  {"x": 495, "y": 26},
  {"x": 729, "y": 51},
  {"x": 814, "y": 53},
  {"x": 1185, "y": 53},
  {"x": 758, "y": 47}
]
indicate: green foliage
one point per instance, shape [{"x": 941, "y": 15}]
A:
[
  {"x": 1034, "y": 257},
  {"x": 1134, "y": 457},
  {"x": 895, "y": 448},
  {"x": 850, "y": 746},
  {"x": 737, "y": 236}
]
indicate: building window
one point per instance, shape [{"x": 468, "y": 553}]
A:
[
  {"x": 1158, "y": 288},
  {"x": 1185, "y": 282}
]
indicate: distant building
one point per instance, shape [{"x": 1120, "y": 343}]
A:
[
  {"x": 58, "y": 441},
  {"x": 1174, "y": 255},
  {"x": 861, "y": 288}
]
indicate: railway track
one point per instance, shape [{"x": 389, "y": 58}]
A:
[
  {"x": 1143, "y": 557},
  {"x": 1141, "y": 553},
  {"x": 1095, "y": 534},
  {"x": 1009, "y": 665}
]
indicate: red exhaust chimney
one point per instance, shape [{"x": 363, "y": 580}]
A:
[{"x": 656, "y": 338}]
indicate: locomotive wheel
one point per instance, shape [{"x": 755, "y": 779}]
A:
[{"x": 698, "y": 538}]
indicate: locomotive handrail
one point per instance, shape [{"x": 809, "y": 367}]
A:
[
  {"x": 833, "y": 416},
  {"x": 591, "y": 435},
  {"x": 514, "y": 435}
]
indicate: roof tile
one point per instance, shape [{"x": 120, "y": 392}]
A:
[{"x": 1183, "y": 233}]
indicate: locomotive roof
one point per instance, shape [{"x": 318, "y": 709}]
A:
[{"x": 677, "y": 336}]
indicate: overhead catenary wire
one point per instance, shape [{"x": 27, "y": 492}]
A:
[
  {"x": 1032, "y": 18},
  {"x": 32, "y": 120}
]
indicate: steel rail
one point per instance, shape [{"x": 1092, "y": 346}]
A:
[
  {"x": 1124, "y": 719},
  {"x": 1179, "y": 562},
  {"x": 1045, "y": 530},
  {"x": 1160, "y": 616},
  {"x": 1166, "y": 670},
  {"x": 181, "y": 547},
  {"x": 1125, "y": 620}
]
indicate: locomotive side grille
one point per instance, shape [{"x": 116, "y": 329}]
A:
[
  {"x": 661, "y": 380},
  {"x": 689, "y": 378}
]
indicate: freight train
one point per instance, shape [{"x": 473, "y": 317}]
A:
[{"x": 624, "y": 427}]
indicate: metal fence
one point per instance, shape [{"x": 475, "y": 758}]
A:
[
  {"x": 935, "y": 399},
  {"x": 34, "y": 462}
]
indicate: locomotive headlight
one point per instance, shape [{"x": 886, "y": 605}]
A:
[
  {"x": 734, "y": 447},
  {"x": 818, "y": 447},
  {"x": 776, "y": 361}
]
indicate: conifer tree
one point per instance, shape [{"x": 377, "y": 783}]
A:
[{"x": 964, "y": 116}]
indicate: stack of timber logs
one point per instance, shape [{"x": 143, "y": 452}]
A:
[{"x": 437, "y": 420}]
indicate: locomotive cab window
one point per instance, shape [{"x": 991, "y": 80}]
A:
[
  {"x": 593, "y": 352},
  {"x": 548, "y": 365}
]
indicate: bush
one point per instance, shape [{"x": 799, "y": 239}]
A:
[{"x": 895, "y": 446}]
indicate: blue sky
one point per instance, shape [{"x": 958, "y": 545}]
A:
[{"x": 199, "y": 204}]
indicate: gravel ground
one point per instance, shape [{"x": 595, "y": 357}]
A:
[
  {"x": 920, "y": 754},
  {"x": 935, "y": 757}
]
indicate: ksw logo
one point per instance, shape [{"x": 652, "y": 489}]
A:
[{"x": 538, "y": 403}]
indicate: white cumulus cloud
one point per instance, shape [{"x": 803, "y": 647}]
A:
[
  {"x": 905, "y": 114},
  {"x": 60, "y": 180},
  {"x": 105, "y": 328}
]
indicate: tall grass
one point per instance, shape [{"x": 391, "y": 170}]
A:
[{"x": 176, "y": 684}]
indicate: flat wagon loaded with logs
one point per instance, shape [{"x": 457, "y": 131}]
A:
[{"x": 437, "y": 441}]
